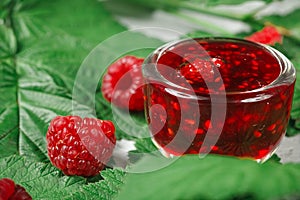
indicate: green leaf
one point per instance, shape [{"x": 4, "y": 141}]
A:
[
  {"x": 45, "y": 51},
  {"x": 104, "y": 189},
  {"x": 8, "y": 44},
  {"x": 41, "y": 181},
  {"x": 4, "y": 11},
  {"x": 145, "y": 145},
  {"x": 213, "y": 177},
  {"x": 8, "y": 109},
  {"x": 41, "y": 54},
  {"x": 87, "y": 20}
]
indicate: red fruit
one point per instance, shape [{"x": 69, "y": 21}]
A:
[
  {"x": 80, "y": 146},
  {"x": 198, "y": 71},
  {"x": 7, "y": 188},
  {"x": 20, "y": 194},
  {"x": 268, "y": 35},
  {"x": 10, "y": 191},
  {"x": 122, "y": 84}
]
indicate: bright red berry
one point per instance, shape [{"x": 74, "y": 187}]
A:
[
  {"x": 7, "y": 188},
  {"x": 198, "y": 71},
  {"x": 20, "y": 194},
  {"x": 268, "y": 35},
  {"x": 122, "y": 84},
  {"x": 10, "y": 191},
  {"x": 80, "y": 146}
]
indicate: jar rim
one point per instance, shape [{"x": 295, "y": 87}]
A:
[{"x": 286, "y": 76}]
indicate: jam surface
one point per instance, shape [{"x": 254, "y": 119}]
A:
[
  {"x": 256, "y": 115},
  {"x": 217, "y": 65}
]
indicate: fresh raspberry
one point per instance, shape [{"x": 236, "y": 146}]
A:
[
  {"x": 20, "y": 194},
  {"x": 198, "y": 71},
  {"x": 80, "y": 146},
  {"x": 10, "y": 191},
  {"x": 7, "y": 188},
  {"x": 268, "y": 35},
  {"x": 122, "y": 84}
]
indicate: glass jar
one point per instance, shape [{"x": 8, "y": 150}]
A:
[{"x": 218, "y": 95}]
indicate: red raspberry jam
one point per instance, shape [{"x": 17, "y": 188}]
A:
[{"x": 218, "y": 95}]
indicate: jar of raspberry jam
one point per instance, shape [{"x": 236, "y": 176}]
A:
[{"x": 218, "y": 95}]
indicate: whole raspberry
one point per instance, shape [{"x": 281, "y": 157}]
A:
[
  {"x": 268, "y": 35},
  {"x": 122, "y": 84},
  {"x": 80, "y": 146},
  {"x": 10, "y": 191}
]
